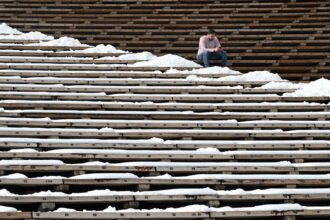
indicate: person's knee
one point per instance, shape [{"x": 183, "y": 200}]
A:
[
  {"x": 205, "y": 54},
  {"x": 202, "y": 55}
]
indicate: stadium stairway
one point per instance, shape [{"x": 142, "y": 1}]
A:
[
  {"x": 89, "y": 138},
  {"x": 290, "y": 37},
  {"x": 130, "y": 142}
]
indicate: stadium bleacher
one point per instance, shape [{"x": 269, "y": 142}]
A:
[
  {"x": 82, "y": 134},
  {"x": 89, "y": 138}
]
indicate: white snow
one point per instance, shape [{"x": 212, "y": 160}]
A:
[
  {"x": 278, "y": 152},
  {"x": 204, "y": 208},
  {"x": 168, "y": 60},
  {"x": 261, "y": 76},
  {"x": 207, "y": 70},
  {"x": 101, "y": 48},
  {"x": 199, "y": 151},
  {"x": 282, "y": 85},
  {"x": 63, "y": 41},
  {"x": 50, "y": 177},
  {"x": 131, "y": 56},
  {"x": 320, "y": 87},
  {"x": 167, "y": 176},
  {"x": 85, "y": 141},
  {"x": 105, "y": 176},
  {"x": 23, "y": 150},
  {"x": 106, "y": 129},
  {"x": 31, "y": 162},
  {"x": 245, "y": 177},
  {"x": 57, "y": 93},
  {"x": 64, "y": 210},
  {"x": 5, "y": 29},
  {"x": 161, "y": 141},
  {"x": 5, "y": 192},
  {"x": 179, "y": 191},
  {"x": 46, "y": 193},
  {"x": 7, "y": 209},
  {"x": 34, "y": 35},
  {"x": 14, "y": 176},
  {"x": 132, "y": 152},
  {"x": 191, "y": 164}
]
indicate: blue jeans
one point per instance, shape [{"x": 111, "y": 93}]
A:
[{"x": 206, "y": 56}]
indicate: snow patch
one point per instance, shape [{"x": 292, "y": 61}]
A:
[
  {"x": 101, "y": 48},
  {"x": 132, "y": 56},
  {"x": 31, "y": 162},
  {"x": 5, "y": 29},
  {"x": 14, "y": 176},
  {"x": 260, "y": 76},
  {"x": 105, "y": 176},
  {"x": 106, "y": 129},
  {"x": 63, "y": 41},
  {"x": 64, "y": 210},
  {"x": 34, "y": 35},
  {"x": 168, "y": 60},
  {"x": 204, "y": 208},
  {"x": 282, "y": 85},
  {"x": 7, "y": 209},
  {"x": 320, "y": 87},
  {"x": 23, "y": 150},
  {"x": 207, "y": 70}
]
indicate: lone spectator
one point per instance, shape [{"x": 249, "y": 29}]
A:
[{"x": 210, "y": 49}]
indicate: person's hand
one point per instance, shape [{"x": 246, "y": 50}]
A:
[{"x": 217, "y": 49}]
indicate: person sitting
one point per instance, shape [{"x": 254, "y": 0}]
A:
[{"x": 210, "y": 49}]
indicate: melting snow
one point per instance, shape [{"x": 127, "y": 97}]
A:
[
  {"x": 168, "y": 60},
  {"x": 5, "y": 29},
  {"x": 63, "y": 41}
]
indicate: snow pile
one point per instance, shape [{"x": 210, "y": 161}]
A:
[
  {"x": 168, "y": 60},
  {"x": 282, "y": 85},
  {"x": 180, "y": 191},
  {"x": 101, "y": 48},
  {"x": 106, "y": 129},
  {"x": 49, "y": 177},
  {"x": 187, "y": 164},
  {"x": 31, "y": 162},
  {"x": 34, "y": 35},
  {"x": 153, "y": 140},
  {"x": 204, "y": 208},
  {"x": 7, "y": 209},
  {"x": 23, "y": 150},
  {"x": 207, "y": 150},
  {"x": 5, "y": 192},
  {"x": 45, "y": 193},
  {"x": 64, "y": 210},
  {"x": 207, "y": 70},
  {"x": 14, "y": 176},
  {"x": 132, "y": 56},
  {"x": 105, "y": 176},
  {"x": 320, "y": 87},
  {"x": 63, "y": 41},
  {"x": 260, "y": 76},
  {"x": 254, "y": 76},
  {"x": 5, "y": 29}
]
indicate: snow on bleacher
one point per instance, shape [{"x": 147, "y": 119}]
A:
[{"x": 6, "y": 29}]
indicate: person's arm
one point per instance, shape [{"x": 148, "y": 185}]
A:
[
  {"x": 217, "y": 43},
  {"x": 203, "y": 46}
]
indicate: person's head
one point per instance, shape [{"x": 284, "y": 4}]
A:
[{"x": 210, "y": 34}]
